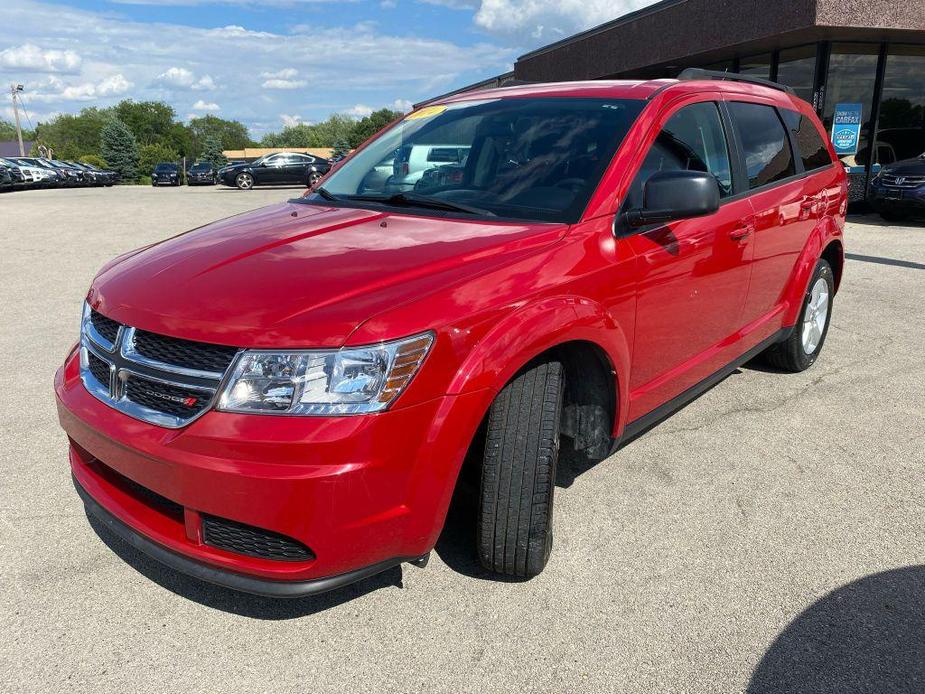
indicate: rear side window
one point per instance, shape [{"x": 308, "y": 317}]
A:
[
  {"x": 810, "y": 144},
  {"x": 692, "y": 140},
  {"x": 764, "y": 143}
]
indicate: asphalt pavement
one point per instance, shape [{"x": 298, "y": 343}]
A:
[{"x": 766, "y": 538}]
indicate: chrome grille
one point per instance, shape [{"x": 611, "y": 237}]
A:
[
  {"x": 898, "y": 181},
  {"x": 169, "y": 386}
]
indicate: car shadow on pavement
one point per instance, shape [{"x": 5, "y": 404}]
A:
[
  {"x": 875, "y": 220},
  {"x": 867, "y": 636},
  {"x": 235, "y": 602}
]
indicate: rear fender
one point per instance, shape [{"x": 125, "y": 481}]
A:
[{"x": 822, "y": 235}]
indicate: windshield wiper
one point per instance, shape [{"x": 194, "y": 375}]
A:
[{"x": 418, "y": 200}]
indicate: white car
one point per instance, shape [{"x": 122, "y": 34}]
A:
[{"x": 412, "y": 161}]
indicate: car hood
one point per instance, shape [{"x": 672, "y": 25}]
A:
[
  {"x": 907, "y": 167},
  {"x": 301, "y": 275}
]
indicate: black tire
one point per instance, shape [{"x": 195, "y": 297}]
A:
[
  {"x": 790, "y": 354},
  {"x": 519, "y": 470}
]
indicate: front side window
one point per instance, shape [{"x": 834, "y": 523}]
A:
[
  {"x": 812, "y": 148},
  {"x": 764, "y": 143},
  {"x": 693, "y": 139},
  {"x": 537, "y": 159}
]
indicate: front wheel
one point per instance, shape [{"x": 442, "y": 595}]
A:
[
  {"x": 519, "y": 470},
  {"x": 244, "y": 181},
  {"x": 800, "y": 350},
  {"x": 313, "y": 178}
]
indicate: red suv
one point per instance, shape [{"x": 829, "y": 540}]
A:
[{"x": 281, "y": 402}]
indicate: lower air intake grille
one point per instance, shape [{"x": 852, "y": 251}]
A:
[{"x": 254, "y": 542}]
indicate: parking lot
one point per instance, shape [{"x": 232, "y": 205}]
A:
[{"x": 766, "y": 538}]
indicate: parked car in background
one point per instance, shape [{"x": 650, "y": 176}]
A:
[
  {"x": 91, "y": 177},
  {"x": 165, "y": 174},
  {"x": 283, "y": 402},
  {"x": 898, "y": 189},
  {"x": 75, "y": 175},
  {"x": 20, "y": 177},
  {"x": 412, "y": 161},
  {"x": 6, "y": 178},
  {"x": 284, "y": 168},
  {"x": 41, "y": 176},
  {"x": 110, "y": 177},
  {"x": 201, "y": 174}
]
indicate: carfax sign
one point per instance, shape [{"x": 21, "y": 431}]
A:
[{"x": 846, "y": 129}]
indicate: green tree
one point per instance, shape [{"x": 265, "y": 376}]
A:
[
  {"x": 71, "y": 135},
  {"x": 94, "y": 160},
  {"x": 341, "y": 149},
  {"x": 151, "y": 122},
  {"x": 8, "y": 131},
  {"x": 212, "y": 152},
  {"x": 230, "y": 133},
  {"x": 119, "y": 148},
  {"x": 150, "y": 155},
  {"x": 366, "y": 127}
]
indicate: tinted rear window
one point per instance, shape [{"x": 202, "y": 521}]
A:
[
  {"x": 766, "y": 148},
  {"x": 165, "y": 167},
  {"x": 811, "y": 146}
]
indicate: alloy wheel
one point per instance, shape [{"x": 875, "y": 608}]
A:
[{"x": 815, "y": 315}]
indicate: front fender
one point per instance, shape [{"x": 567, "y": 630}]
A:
[
  {"x": 822, "y": 235},
  {"x": 536, "y": 328}
]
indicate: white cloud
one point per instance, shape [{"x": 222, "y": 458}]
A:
[
  {"x": 359, "y": 65},
  {"x": 290, "y": 121},
  {"x": 284, "y": 74},
  {"x": 284, "y": 84},
  {"x": 544, "y": 20},
  {"x": 181, "y": 78},
  {"x": 402, "y": 105},
  {"x": 359, "y": 111},
  {"x": 206, "y": 106},
  {"x": 54, "y": 89},
  {"x": 31, "y": 58}
]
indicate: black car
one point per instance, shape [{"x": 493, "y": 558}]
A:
[
  {"x": 284, "y": 168},
  {"x": 166, "y": 174},
  {"x": 110, "y": 177},
  {"x": 91, "y": 177},
  {"x": 201, "y": 174},
  {"x": 898, "y": 190},
  {"x": 6, "y": 178},
  {"x": 75, "y": 175}
]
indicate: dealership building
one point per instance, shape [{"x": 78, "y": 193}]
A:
[{"x": 860, "y": 63}]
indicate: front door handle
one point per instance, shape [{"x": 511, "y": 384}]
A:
[{"x": 741, "y": 233}]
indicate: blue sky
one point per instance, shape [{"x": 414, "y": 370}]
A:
[{"x": 270, "y": 63}]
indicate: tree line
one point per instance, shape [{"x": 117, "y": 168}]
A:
[{"x": 132, "y": 136}]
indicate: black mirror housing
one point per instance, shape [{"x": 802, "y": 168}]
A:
[{"x": 671, "y": 195}]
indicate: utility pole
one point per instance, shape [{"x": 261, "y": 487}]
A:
[{"x": 14, "y": 90}]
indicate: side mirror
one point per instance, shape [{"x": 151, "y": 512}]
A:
[{"x": 671, "y": 195}]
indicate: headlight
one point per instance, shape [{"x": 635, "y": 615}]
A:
[{"x": 324, "y": 382}]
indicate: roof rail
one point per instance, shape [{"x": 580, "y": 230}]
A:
[{"x": 696, "y": 73}]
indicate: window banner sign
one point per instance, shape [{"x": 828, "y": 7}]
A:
[{"x": 846, "y": 129}]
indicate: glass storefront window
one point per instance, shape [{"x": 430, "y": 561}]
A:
[
  {"x": 796, "y": 68},
  {"x": 901, "y": 128},
  {"x": 757, "y": 66},
  {"x": 851, "y": 78}
]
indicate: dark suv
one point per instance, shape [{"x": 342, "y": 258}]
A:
[
  {"x": 165, "y": 174},
  {"x": 898, "y": 190}
]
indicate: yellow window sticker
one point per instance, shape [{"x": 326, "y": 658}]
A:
[{"x": 428, "y": 112}]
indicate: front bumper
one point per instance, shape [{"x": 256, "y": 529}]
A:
[
  {"x": 363, "y": 493},
  {"x": 882, "y": 197}
]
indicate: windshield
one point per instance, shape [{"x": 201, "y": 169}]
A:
[
  {"x": 520, "y": 158},
  {"x": 165, "y": 167},
  {"x": 201, "y": 167}
]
